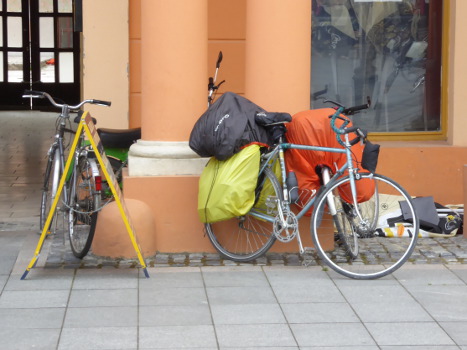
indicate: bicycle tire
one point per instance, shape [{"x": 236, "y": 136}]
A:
[
  {"x": 246, "y": 238},
  {"x": 380, "y": 251},
  {"x": 83, "y": 207},
  {"x": 50, "y": 188},
  {"x": 345, "y": 232}
]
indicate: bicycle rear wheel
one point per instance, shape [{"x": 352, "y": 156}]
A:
[
  {"x": 368, "y": 247},
  {"x": 84, "y": 201},
  {"x": 248, "y": 237},
  {"x": 50, "y": 188}
]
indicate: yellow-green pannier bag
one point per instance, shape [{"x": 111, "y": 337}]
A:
[{"x": 227, "y": 187}]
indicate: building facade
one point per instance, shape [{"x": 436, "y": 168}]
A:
[{"x": 280, "y": 54}]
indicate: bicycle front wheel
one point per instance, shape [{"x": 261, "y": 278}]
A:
[
  {"x": 370, "y": 241},
  {"x": 84, "y": 202},
  {"x": 50, "y": 188},
  {"x": 248, "y": 237}
]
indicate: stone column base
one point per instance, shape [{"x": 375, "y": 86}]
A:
[{"x": 163, "y": 158}]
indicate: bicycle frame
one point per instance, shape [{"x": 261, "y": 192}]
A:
[{"x": 278, "y": 154}]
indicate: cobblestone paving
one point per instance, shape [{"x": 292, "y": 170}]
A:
[{"x": 450, "y": 250}]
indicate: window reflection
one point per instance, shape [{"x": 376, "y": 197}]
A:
[
  {"x": 15, "y": 67},
  {"x": 46, "y": 6},
  {"x": 15, "y": 31},
  {"x": 47, "y": 67},
  {"x": 388, "y": 51},
  {"x": 65, "y": 32},
  {"x": 46, "y": 32},
  {"x": 65, "y": 6},
  {"x": 66, "y": 71},
  {"x": 13, "y": 5}
]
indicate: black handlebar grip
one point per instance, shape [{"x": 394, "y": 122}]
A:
[
  {"x": 103, "y": 103},
  {"x": 352, "y": 110},
  {"x": 219, "y": 59},
  {"x": 350, "y": 129},
  {"x": 33, "y": 92}
]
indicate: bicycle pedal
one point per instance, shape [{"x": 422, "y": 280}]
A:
[{"x": 308, "y": 250}]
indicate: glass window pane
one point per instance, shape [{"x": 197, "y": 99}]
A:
[
  {"x": 15, "y": 67},
  {"x": 381, "y": 50},
  {"x": 15, "y": 31},
  {"x": 13, "y": 5},
  {"x": 46, "y": 6},
  {"x": 65, "y": 6},
  {"x": 47, "y": 67},
  {"x": 65, "y": 32},
  {"x": 46, "y": 32},
  {"x": 1, "y": 65},
  {"x": 66, "y": 72},
  {"x": 1, "y": 9},
  {"x": 1, "y": 30}
]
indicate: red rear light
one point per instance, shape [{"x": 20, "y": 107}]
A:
[{"x": 98, "y": 181}]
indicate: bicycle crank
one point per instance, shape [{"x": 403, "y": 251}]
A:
[{"x": 285, "y": 226}]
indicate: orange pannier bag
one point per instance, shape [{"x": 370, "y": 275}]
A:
[{"x": 313, "y": 127}]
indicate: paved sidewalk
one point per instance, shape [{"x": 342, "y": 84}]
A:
[{"x": 227, "y": 307}]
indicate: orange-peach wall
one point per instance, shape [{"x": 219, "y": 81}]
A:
[
  {"x": 135, "y": 63},
  {"x": 423, "y": 168},
  {"x": 227, "y": 33},
  {"x": 173, "y": 67},
  {"x": 427, "y": 169},
  {"x": 106, "y": 60}
]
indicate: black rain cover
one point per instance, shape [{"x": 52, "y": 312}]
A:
[{"x": 226, "y": 126}]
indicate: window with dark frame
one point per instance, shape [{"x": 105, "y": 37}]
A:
[{"x": 388, "y": 50}]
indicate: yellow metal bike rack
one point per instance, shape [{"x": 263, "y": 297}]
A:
[{"x": 86, "y": 125}]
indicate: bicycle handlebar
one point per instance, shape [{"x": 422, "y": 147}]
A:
[
  {"x": 42, "y": 94},
  {"x": 361, "y": 134}
]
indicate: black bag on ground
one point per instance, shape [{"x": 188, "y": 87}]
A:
[{"x": 226, "y": 127}]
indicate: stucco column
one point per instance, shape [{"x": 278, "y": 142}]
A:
[
  {"x": 173, "y": 85},
  {"x": 278, "y": 54}
]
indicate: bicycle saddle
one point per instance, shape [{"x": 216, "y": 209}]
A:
[
  {"x": 119, "y": 138},
  {"x": 272, "y": 118}
]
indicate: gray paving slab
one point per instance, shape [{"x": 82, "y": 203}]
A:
[
  {"x": 268, "y": 335},
  {"x": 186, "y": 278},
  {"x": 19, "y": 339},
  {"x": 414, "y": 334},
  {"x": 42, "y": 279},
  {"x": 247, "y": 314},
  {"x": 427, "y": 274},
  {"x": 443, "y": 302},
  {"x": 174, "y": 315},
  {"x": 176, "y": 337},
  {"x": 240, "y": 295},
  {"x": 99, "y": 338},
  {"x": 13, "y": 299},
  {"x": 319, "y": 312},
  {"x": 110, "y": 279},
  {"x": 456, "y": 330},
  {"x": 101, "y": 316},
  {"x": 39, "y": 318},
  {"x": 235, "y": 279},
  {"x": 103, "y": 297},
  {"x": 335, "y": 334},
  {"x": 172, "y": 296}
]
